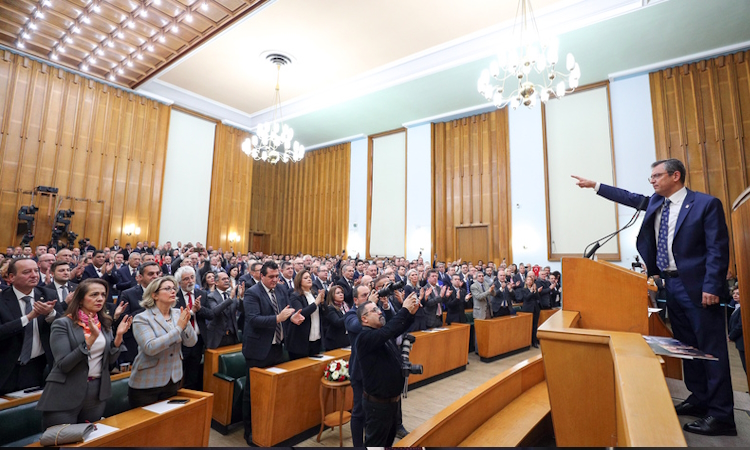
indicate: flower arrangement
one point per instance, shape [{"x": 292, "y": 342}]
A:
[{"x": 337, "y": 370}]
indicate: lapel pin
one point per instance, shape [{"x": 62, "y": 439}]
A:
[{"x": 687, "y": 206}]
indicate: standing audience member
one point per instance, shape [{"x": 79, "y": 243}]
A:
[
  {"x": 305, "y": 339},
  {"x": 83, "y": 346},
  {"x": 130, "y": 302},
  {"x": 190, "y": 298},
  {"x": 735, "y": 327},
  {"x": 160, "y": 331},
  {"x": 222, "y": 329},
  {"x": 456, "y": 303},
  {"x": 26, "y": 312},
  {"x": 334, "y": 329},
  {"x": 530, "y": 298},
  {"x": 480, "y": 293}
]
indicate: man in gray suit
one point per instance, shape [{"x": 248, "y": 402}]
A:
[
  {"x": 222, "y": 329},
  {"x": 480, "y": 292}
]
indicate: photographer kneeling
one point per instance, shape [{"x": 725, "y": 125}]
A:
[{"x": 380, "y": 364}]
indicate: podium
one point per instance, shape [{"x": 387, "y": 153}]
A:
[
  {"x": 741, "y": 236},
  {"x": 606, "y": 387}
]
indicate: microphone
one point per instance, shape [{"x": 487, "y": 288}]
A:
[{"x": 598, "y": 243}]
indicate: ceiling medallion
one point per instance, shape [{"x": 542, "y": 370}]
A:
[{"x": 528, "y": 57}]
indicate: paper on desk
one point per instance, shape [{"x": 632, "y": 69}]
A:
[
  {"x": 347, "y": 348},
  {"x": 653, "y": 310},
  {"x": 22, "y": 394},
  {"x": 321, "y": 357},
  {"x": 275, "y": 369},
  {"x": 162, "y": 407},
  {"x": 3, "y": 400},
  {"x": 100, "y": 431}
]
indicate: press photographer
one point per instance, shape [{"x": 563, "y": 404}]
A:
[{"x": 381, "y": 367}]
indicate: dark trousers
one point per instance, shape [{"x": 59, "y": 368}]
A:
[
  {"x": 275, "y": 356},
  {"x": 380, "y": 424},
  {"x": 91, "y": 409},
  {"x": 313, "y": 349},
  {"x": 742, "y": 359},
  {"x": 144, "y": 397},
  {"x": 129, "y": 355},
  {"x": 709, "y": 382},
  {"x": 228, "y": 339},
  {"x": 357, "y": 424},
  {"x": 192, "y": 370},
  {"x": 26, "y": 376},
  {"x": 535, "y": 319}
]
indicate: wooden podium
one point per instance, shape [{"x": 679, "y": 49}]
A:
[
  {"x": 606, "y": 387},
  {"x": 741, "y": 235}
]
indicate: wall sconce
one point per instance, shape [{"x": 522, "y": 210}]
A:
[
  {"x": 131, "y": 229},
  {"x": 234, "y": 237}
]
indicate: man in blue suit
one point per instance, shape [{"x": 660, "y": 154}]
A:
[
  {"x": 266, "y": 312},
  {"x": 684, "y": 240}
]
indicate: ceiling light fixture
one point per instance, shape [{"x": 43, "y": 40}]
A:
[
  {"x": 189, "y": 17},
  {"x": 204, "y": 6},
  {"x": 38, "y": 14},
  {"x": 529, "y": 55},
  {"x": 266, "y": 144}
]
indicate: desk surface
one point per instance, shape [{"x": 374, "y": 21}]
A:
[
  {"x": 440, "y": 351},
  {"x": 13, "y": 402},
  {"x": 504, "y": 334}
]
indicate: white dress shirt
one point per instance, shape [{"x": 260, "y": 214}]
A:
[
  {"x": 314, "y": 319},
  {"x": 36, "y": 346}
]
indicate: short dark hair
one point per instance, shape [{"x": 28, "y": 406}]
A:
[
  {"x": 361, "y": 309},
  {"x": 285, "y": 264},
  {"x": 142, "y": 267},
  {"x": 57, "y": 264},
  {"x": 12, "y": 266},
  {"x": 96, "y": 252},
  {"x": 430, "y": 272},
  {"x": 254, "y": 266},
  {"x": 672, "y": 165},
  {"x": 268, "y": 265}
]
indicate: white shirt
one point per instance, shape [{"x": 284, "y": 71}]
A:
[
  {"x": 185, "y": 296},
  {"x": 58, "y": 288},
  {"x": 36, "y": 346},
  {"x": 314, "y": 319},
  {"x": 268, "y": 291},
  {"x": 676, "y": 200},
  {"x": 95, "y": 356}
]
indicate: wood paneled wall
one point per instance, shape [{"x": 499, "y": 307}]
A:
[
  {"x": 701, "y": 116},
  {"x": 231, "y": 190},
  {"x": 471, "y": 183},
  {"x": 104, "y": 149},
  {"x": 304, "y": 206}
]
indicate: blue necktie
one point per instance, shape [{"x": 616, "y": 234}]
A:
[{"x": 662, "y": 258}]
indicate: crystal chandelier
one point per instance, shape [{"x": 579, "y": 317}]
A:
[
  {"x": 266, "y": 144},
  {"x": 530, "y": 56}
]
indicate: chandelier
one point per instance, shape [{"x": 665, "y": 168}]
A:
[
  {"x": 273, "y": 141},
  {"x": 528, "y": 57}
]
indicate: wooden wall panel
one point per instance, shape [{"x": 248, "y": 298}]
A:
[
  {"x": 471, "y": 182},
  {"x": 104, "y": 150},
  {"x": 701, "y": 115},
  {"x": 304, "y": 206},
  {"x": 231, "y": 190}
]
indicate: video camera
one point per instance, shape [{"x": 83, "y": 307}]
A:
[
  {"x": 389, "y": 289},
  {"x": 407, "y": 368}
]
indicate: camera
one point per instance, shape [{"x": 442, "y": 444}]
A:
[
  {"x": 389, "y": 289},
  {"x": 637, "y": 264},
  {"x": 407, "y": 368}
]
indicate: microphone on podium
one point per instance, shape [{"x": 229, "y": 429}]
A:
[{"x": 598, "y": 243}]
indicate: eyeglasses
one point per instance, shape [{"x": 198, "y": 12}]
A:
[
  {"x": 168, "y": 289},
  {"x": 656, "y": 176},
  {"x": 375, "y": 310}
]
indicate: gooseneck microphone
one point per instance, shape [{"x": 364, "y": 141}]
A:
[{"x": 598, "y": 243}]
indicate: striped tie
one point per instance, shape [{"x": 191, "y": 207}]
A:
[{"x": 662, "y": 257}]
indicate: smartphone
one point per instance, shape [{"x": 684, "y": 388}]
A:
[{"x": 179, "y": 401}]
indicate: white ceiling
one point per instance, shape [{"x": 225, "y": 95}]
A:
[{"x": 367, "y": 66}]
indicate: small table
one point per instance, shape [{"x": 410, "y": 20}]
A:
[{"x": 337, "y": 418}]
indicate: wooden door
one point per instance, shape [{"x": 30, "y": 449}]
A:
[{"x": 472, "y": 243}]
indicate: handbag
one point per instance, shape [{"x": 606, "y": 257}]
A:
[{"x": 66, "y": 434}]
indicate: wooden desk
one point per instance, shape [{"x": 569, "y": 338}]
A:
[
  {"x": 502, "y": 335},
  {"x": 546, "y": 314},
  {"x": 13, "y": 402},
  {"x": 286, "y": 404},
  {"x": 187, "y": 426},
  {"x": 440, "y": 351}
]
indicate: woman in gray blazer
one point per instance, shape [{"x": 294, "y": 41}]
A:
[
  {"x": 82, "y": 344},
  {"x": 160, "y": 331}
]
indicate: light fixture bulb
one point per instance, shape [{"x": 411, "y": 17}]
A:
[
  {"x": 32, "y": 25},
  {"x": 162, "y": 38},
  {"x": 204, "y": 6},
  {"x": 189, "y": 17}
]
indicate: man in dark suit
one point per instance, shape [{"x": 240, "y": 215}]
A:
[
  {"x": 347, "y": 283},
  {"x": 266, "y": 311},
  {"x": 61, "y": 282},
  {"x": 166, "y": 267},
  {"x": 126, "y": 275},
  {"x": 26, "y": 312},
  {"x": 222, "y": 329},
  {"x": 190, "y": 298},
  {"x": 684, "y": 240},
  {"x": 115, "y": 246},
  {"x": 45, "y": 262},
  {"x": 132, "y": 298},
  {"x": 100, "y": 268},
  {"x": 253, "y": 276},
  {"x": 321, "y": 282},
  {"x": 286, "y": 280}
]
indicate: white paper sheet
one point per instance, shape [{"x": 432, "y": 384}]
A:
[
  {"x": 100, "y": 431},
  {"x": 162, "y": 407},
  {"x": 3, "y": 400},
  {"x": 276, "y": 370},
  {"x": 347, "y": 348},
  {"x": 322, "y": 358},
  {"x": 22, "y": 394}
]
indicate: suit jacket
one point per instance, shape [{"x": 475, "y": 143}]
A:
[
  {"x": 71, "y": 287},
  {"x": 299, "y": 335},
  {"x": 224, "y": 318},
  {"x": 317, "y": 284},
  {"x": 335, "y": 335},
  {"x": 700, "y": 245},
  {"x": 125, "y": 280},
  {"x": 132, "y": 297},
  {"x": 430, "y": 306},
  {"x": 66, "y": 384},
  {"x": 159, "y": 357},
  {"x": 166, "y": 269},
  {"x": 260, "y": 321},
  {"x": 542, "y": 287},
  {"x": 201, "y": 316},
  {"x": 735, "y": 330},
  {"x": 455, "y": 306},
  {"x": 502, "y": 296},
  {"x": 90, "y": 272},
  {"x": 348, "y": 291},
  {"x": 12, "y": 333},
  {"x": 480, "y": 297},
  {"x": 530, "y": 299}
]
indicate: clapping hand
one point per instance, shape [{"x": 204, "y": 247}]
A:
[
  {"x": 121, "y": 307},
  {"x": 124, "y": 326},
  {"x": 93, "y": 329},
  {"x": 411, "y": 303},
  {"x": 321, "y": 297},
  {"x": 298, "y": 318},
  {"x": 196, "y": 304},
  {"x": 284, "y": 314},
  {"x": 442, "y": 290},
  {"x": 184, "y": 318}
]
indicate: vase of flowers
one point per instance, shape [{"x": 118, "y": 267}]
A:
[{"x": 337, "y": 370}]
